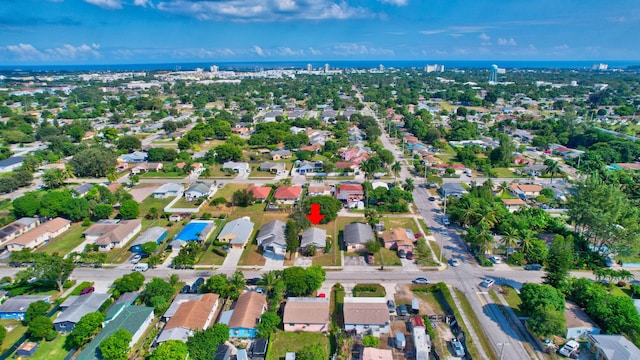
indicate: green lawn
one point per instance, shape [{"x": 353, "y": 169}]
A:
[
  {"x": 332, "y": 258},
  {"x": 505, "y": 173},
  {"x": 183, "y": 203},
  {"x": 283, "y": 342},
  {"x": 65, "y": 243},
  {"x": 424, "y": 226},
  {"x": 51, "y": 349},
  {"x": 387, "y": 257},
  {"x": 405, "y": 223},
  {"x": 151, "y": 202},
  {"x": 211, "y": 258},
  {"x": 17, "y": 330},
  {"x": 228, "y": 190},
  {"x": 257, "y": 174},
  {"x": 251, "y": 256},
  {"x": 162, "y": 174},
  {"x": 369, "y": 290}
]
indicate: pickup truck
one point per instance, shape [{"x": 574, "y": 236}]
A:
[{"x": 570, "y": 349}]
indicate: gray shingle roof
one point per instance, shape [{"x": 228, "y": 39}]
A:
[
  {"x": 11, "y": 161},
  {"x": 241, "y": 228},
  {"x": 199, "y": 187},
  {"x": 357, "y": 233},
  {"x": 83, "y": 305},
  {"x": 315, "y": 236},
  {"x": 150, "y": 235},
  {"x": 20, "y": 303},
  {"x": 272, "y": 232}
]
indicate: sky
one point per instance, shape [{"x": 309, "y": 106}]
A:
[{"x": 41, "y": 32}]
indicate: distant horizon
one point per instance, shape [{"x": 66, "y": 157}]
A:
[{"x": 249, "y": 65}]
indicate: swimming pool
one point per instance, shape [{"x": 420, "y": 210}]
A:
[{"x": 196, "y": 230}]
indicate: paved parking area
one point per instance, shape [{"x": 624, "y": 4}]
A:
[
  {"x": 141, "y": 192},
  {"x": 303, "y": 261},
  {"x": 354, "y": 261}
]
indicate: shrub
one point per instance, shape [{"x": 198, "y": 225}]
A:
[
  {"x": 516, "y": 258},
  {"x": 483, "y": 261},
  {"x": 219, "y": 252},
  {"x": 68, "y": 284},
  {"x": 635, "y": 290}
]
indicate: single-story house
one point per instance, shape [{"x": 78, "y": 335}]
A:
[
  {"x": 16, "y": 307},
  {"x": 513, "y": 204},
  {"x": 306, "y": 314},
  {"x": 135, "y": 157},
  {"x": 315, "y": 190},
  {"x": 260, "y": 192},
  {"x": 198, "y": 190},
  {"x": 280, "y": 154},
  {"x": 126, "y": 299},
  {"x": 288, "y": 194},
  {"x": 175, "y": 218},
  {"x": 40, "y": 235},
  {"x": 168, "y": 190},
  {"x": 83, "y": 304},
  {"x": 314, "y": 236},
  {"x": 236, "y": 232},
  {"x": 237, "y": 167},
  {"x": 271, "y": 238},
  {"x": 273, "y": 167},
  {"x": 366, "y": 315},
  {"x": 613, "y": 347},
  {"x": 350, "y": 192},
  {"x": 369, "y": 353},
  {"x": 18, "y": 228},
  {"x": 525, "y": 191},
  {"x": 83, "y": 189},
  {"x": 356, "y": 236},
  {"x": 11, "y": 163},
  {"x": 191, "y": 316},
  {"x": 175, "y": 304},
  {"x": 153, "y": 234},
  {"x": 246, "y": 315},
  {"x": 110, "y": 234},
  {"x": 398, "y": 239},
  {"x": 306, "y": 167},
  {"x": 579, "y": 324},
  {"x": 452, "y": 189},
  {"x": 533, "y": 170},
  {"x": 134, "y": 319},
  {"x": 147, "y": 166}
]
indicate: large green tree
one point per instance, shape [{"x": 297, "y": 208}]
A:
[
  {"x": 128, "y": 143},
  {"x": 171, "y": 350},
  {"x": 157, "y": 294},
  {"x": 35, "y": 309},
  {"x": 203, "y": 343},
  {"x": 41, "y": 327},
  {"x": 85, "y": 329},
  {"x": 129, "y": 209},
  {"x": 46, "y": 267},
  {"x": 26, "y": 205},
  {"x": 116, "y": 346},
  {"x": 536, "y": 295},
  {"x": 559, "y": 261},
  {"x": 329, "y": 206},
  {"x": 93, "y": 162}
]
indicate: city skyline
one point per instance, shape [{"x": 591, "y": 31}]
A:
[{"x": 36, "y": 32}]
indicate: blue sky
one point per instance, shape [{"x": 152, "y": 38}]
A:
[{"x": 143, "y": 31}]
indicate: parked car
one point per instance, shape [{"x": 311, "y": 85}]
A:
[
  {"x": 487, "y": 283},
  {"x": 136, "y": 259},
  {"x": 196, "y": 285},
  {"x": 391, "y": 305},
  {"x": 87, "y": 290},
  {"x": 253, "y": 281},
  {"x": 457, "y": 348},
  {"x": 370, "y": 259},
  {"x": 185, "y": 289},
  {"x": 402, "y": 254},
  {"x": 322, "y": 295},
  {"x": 534, "y": 267},
  {"x": 454, "y": 262},
  {"x": 421, "y": 280},
  {"x": 445, "y": 221},
  {"x": 418, "y": 235},
  {"x": 496, "y": 259},
  {"x": 402, "y": 310},
  {"x": 432, "y": 198},
  {"x": 570, "y": 349},
  {"x": 409, "y": 255}
]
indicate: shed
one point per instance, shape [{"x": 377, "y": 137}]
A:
[
  {"x": 26, "y": 349},
  {"x": 155, "y": 234}
]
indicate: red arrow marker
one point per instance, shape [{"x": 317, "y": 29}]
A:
[{"x": 315, "y": 215}]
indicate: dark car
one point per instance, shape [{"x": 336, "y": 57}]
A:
[
  {"x": 185, "y": 289},
  {"x": 534, "y": 267},
  {"x": 253, "y": 281},
  {"x": 402, "y": 310},
  {"x": 370, "y": 258},
  {"x": 432, "y": 198},
  {"x": 409, "y": 255},
  {"x": 87, "y": 290},
  {"x": 391, "y": 305},
  {"x": 402, "y": 254},
  {"x": 196, "y": 285}
]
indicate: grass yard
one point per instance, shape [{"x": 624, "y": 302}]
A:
[
  {"x": 211, "y": 258},
  {"x": 430, "y": 298},
  {"x": 16, "y": 332},
  {"x": 251, "y": 256},
  {"x": 228, "y": 190},
  {"x": 65, "y": 243},
  {"x": 217, "y": 172},
  {"x": 424, "y": 226},
  {"x": 283, "y": 342},
  {"x": 151, "y": 202},
  {"x": 405, "y": 223},
  {"x": 387, "y": 257},
  {"x": 332, "y": 258},
  {"x": 369, "y": 290},
  {"x": 257, "y": 174},
  {"x": 505, "y": 173},
  {"x": 51, "y": 349},
  {"x": 183, "y": 203},
  {"x": 162, "y": 174}
]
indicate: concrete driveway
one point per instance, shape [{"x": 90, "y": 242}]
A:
[{"x": 231, "y": 261}]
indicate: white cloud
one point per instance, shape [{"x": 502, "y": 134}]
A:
[
  {"x": 395, "y": 2},
  {"x": 106, "y": 4},
  {"x": 286, "y": 51},
  {"x": 313, "y": 51},
  {"x": 507, "y": 42},
  {"x": 28, "y": 52},
  {"x": 432, "y": 32},
  {"x": 561, "y": 47},
  {"x": 359, "y": 49},
  {"x": 257, "y": 50},
  {"x": 143, "y": 3},
  {"x": 484, "y": 37},
  {"x": 264, "y": 10}
]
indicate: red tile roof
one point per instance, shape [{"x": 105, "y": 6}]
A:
[
  {"x": 260, "y": 192},
  {"x": 288, "y": 192}
]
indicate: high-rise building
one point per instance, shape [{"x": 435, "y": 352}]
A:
[
  {"x": 381, "y": 67},
  {"x": 434, "y": 68},
  {"x": 214, "y": 68},
  {"x": 326, "y": 67},
  {"x": 600, "y": 67},
  {"x": 309, "y": 67}
]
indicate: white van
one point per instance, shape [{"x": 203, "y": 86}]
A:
[
  {"x": 569, "y": 349},
  {"x": 141, "y": 267}
]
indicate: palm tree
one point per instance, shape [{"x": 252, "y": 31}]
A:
[
  {"x": 112, "y": 175},
  {"x": 485, "y": 241},
  {"x": 372, "y": 216},
  {"x": 526, "y": 237},
  {"x": 504, "y": 186},
  {"x": 408, "y": 185},
  {"x": 552, "y": 168},
  {"x": 237, "y": 281},
  {"x": 268, "y": 281},
  {"x": 370, "y": 166},
  {"x": 469, "y": 211},
  {"x": 510, "y": 239},
  {"x": 396, "y": 168}
]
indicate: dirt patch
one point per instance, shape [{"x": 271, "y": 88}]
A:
[{"x": 404, "y": 295}]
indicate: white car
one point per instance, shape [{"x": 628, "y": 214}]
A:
[
  {"x": 136, "y": 259},
  {"x": 487, "y": 283},
  {"x": 496, "y": 260},
  {"x": 455, "y": 262}
]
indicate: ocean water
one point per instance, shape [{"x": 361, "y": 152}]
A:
[{"x": 342, "y": 64}]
